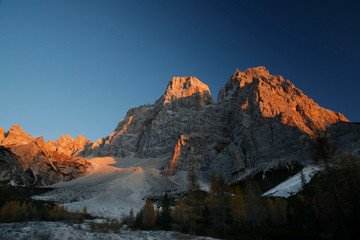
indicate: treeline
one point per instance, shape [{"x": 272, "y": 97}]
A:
[
  {"x": 19, "y": 211},
  {"x": 17, "y": 205},
  {"x": 326, "y": 208},
  {"x": 225, "y": 211}
]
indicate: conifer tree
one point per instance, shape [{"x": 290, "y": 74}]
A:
[
  {"x": 237, "y": 205},
  {"x": 84, "y": 211},
  {"x": 178, "y": 213},
  {"x": 34, "y": 212},
  {"x": 254, "y": 206},
  {"x": 130, "y": 219},
  {"x": 193, "y": 214},
  {"x": 165, "y": 214},
  {"x": 218, "y": 203},
  {"x": 148, "y": 216}
]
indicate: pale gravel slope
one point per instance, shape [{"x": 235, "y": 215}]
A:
[{"x": 113, "y": 187}]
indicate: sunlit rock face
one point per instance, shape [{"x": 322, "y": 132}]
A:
[
  {"x": 45, "y": 167},
  {"x": 16, "y": 136},
  {"x": 259, "y": 122},
  {"x": 69, "y": 146},
  {"x": 2, "y": 134},
  {"x": 154, "y": 130},
  {"x": 187, "y": 92},
  {"x": 30, "y": 161},
  {"x": 261, "y": 94}
]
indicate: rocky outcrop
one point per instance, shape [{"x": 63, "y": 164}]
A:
[
  {"x": 68, "y": 146},
  {"x": 46, "y": 166},
  {"x": 262, "y": 94},
  {"x": 30, "y": 161},
  {"x": 16, "y": 136}
]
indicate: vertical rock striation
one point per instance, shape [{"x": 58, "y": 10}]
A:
[
  {"x": 154, "y": 130},
  {"x": 260, "y": 121}
]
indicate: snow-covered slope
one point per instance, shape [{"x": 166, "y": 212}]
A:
[
  {"x": 113, "y": 187},
  {"x": 292, "y": 185}
]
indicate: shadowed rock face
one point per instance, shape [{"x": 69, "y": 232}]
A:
[
  {"x": 154, "y": 130},
  {"x": 345, "y": 137},
  {"x": 259, "y": 122},
  {"x": 9, "y": 166}
]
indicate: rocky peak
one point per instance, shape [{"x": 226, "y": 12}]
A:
[
  {"x": 256, "y": 72},
  {"x": 188, "y": 91},
  {"x": 65, "y": 138},
  {"x": 81, "y": 139},
  {"x": 16, "y": 136},
  {"x": 16, "y": 129},
  {"x": 68, "y": 146},
  {"x": 262, "y": 94}
]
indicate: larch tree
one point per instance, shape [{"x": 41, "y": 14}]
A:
[{"x": 148, "y": 216}]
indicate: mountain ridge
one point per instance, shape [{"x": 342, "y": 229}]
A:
[{"x": 259, "y": 121}]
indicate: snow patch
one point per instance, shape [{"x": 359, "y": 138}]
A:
[{"x": 292, "y": 185}]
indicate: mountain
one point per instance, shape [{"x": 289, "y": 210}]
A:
[
  {"x": 30, "y": 161},
  {"x": 154, "y": 130},
  {"x": 258, "y": 123},
  {"x": 271, "y": 96}
]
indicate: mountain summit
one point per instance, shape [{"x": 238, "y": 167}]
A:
[
  {"x": 188, "y": 92},
  {"x": 153, "y": 130},
  {"x": 260, "y": 93},
  {"x": 16, "y": 136}
]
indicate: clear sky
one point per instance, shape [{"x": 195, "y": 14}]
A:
[{"x": 76, "y": 67}]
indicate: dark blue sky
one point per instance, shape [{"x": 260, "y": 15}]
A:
[{"x": 76, "y": 67}]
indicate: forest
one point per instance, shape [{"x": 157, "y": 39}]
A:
[{"x": 326, "y": 208}]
